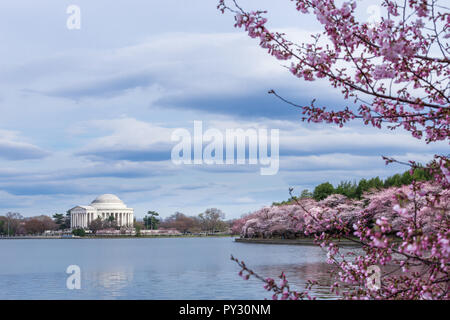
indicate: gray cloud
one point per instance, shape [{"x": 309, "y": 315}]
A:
[
  {"x": 195, "y": 67},
  {"x": 62, "y": 188},
  {"x": 126, "y": 154},
  {"x": 10, "y": 150},
  {"x": 113, "y": 86},
  {"x": 253, "y": 105}
]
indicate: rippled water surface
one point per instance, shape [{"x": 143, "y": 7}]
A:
[{"x": 173, "y": 268}]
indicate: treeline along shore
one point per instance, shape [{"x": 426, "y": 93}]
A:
[
  {"x": 71, "y": 236},
  {"x": 282, "y": 223},
  {"x": 211, "y": 222}
]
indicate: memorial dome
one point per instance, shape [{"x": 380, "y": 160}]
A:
[{"x": 108, "y": 201}]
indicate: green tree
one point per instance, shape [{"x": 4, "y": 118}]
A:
[
  {"x": 67, "y": 221},
  {"x": 421, "y": 174},
  {"x": 407, "y": 178},
  {"x": 306, "y": 194},
  {"x": 79, "y": 232},
  {"x": 138, "y": 228},
  {"x": 362, "y": 187},
  {"x": 355, "y": 191},
  {"x": 322, "y": 191},
  {"x": 151, "y": 220},
  {"x": 60, "y": 220},
  {"x": 2, "y": 226},
  {"x": 393, "y": 181},
  {"x": 375, "y": 183},
  {"x": 347, "y": 189}
]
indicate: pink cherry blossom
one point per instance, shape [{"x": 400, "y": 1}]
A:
[{"x": 394, "y": 74}]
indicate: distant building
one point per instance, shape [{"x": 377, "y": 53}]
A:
[{"x": 102, "y": 207}]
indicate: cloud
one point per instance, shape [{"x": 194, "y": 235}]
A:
[
  {"x": 353, "y": 140},
  {"x": 121, "y": 169},
  {"x": 9, "y": 201},
  {"x": 219, "y": 73},
  {"x": 245, "y": 200},
  {"x": 189, "y": 187},
  {"x": 64, "y": 188},
  {"x": 127, "y": 139},
  {"x": 252, "y": 105},
  {"x": 328, "y": 162},
  {"x": 107, "y": 98},
  {"x": 128, "y": 154},
  {"x": 11, "y": 148},
  {"x": 125, "y": 170},
  {"x": 105, "y": 88}
]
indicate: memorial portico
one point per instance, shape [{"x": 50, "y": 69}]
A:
[{"x": 103, "y": 207}]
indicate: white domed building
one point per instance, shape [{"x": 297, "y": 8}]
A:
[{"x": 102, "y": 207}]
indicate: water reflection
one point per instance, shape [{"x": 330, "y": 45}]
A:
[
  {"x": 195, "y": 268},
  {"x": 113, "y": 282},
  {"x": 298, "y": 276}
]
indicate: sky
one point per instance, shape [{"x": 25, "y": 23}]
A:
[{"x": 91, "y": 111}]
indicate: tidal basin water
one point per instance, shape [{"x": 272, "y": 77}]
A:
[{"x": 158, "y": 268}]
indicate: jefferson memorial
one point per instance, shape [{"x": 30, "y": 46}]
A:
[{"x": 102, "y": 207}]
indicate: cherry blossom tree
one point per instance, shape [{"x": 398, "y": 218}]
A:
[
  {"x": 393, "y": 73},
  {"x": 405, "y": 230},
  {"x": 396, "y": 70}
]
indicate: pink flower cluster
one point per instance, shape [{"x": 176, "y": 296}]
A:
[
  {"x": 397, "y": 73},
  {"x": 387, "y": 69},
  {"x": 403, "y": 229},
  {"x": 393, "y": 205}
]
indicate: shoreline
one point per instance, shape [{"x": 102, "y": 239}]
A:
[
  {"x": 113, "y": 237},
  {"x": 295, "y": 242}
]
